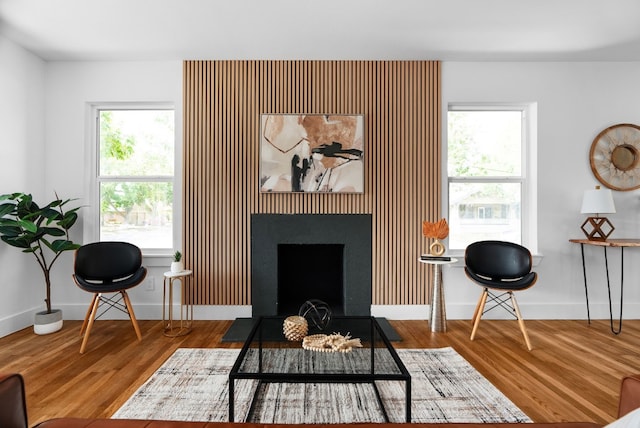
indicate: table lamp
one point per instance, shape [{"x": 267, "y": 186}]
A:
[{"x": 597, "y": 201}]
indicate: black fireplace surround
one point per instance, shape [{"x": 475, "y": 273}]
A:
[{"x": 351, "y": 232}]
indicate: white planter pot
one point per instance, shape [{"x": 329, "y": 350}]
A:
[
  {"x": 45, "y": 323},
  {"x": 177, "y": 266}
]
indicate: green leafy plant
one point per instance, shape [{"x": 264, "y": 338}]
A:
[
  {"x": 26, "y": 225},
  {"x": 177, "y": 256}
]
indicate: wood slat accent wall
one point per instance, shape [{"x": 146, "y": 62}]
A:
[{"x": 223, "y": 100}]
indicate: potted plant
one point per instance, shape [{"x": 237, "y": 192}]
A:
[
  {"x": 177, "y": 265},
  {"x": 26, "y": 225}
]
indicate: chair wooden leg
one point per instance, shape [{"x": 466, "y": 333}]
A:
[
  {"x": 88, "y": 314},
  {"x": 479, "y": 310},
  {"x": 91, "y": 318},
  {"x": 132, "y": 315},
  {"x": 520, "y": 321}
]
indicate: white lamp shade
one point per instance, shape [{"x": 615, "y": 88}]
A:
[{"x": 598, "y": 201}]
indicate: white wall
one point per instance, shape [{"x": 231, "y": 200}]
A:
[
  {"x": 21, "y": 170},
  {"x": 575, "y": 102},
  {"x": 71, "y": 88}
]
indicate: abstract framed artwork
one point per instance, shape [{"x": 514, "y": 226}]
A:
[{"x": 317, "y": 153}]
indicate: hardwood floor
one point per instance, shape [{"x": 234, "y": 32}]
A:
[{"x": 573, "y": 372}]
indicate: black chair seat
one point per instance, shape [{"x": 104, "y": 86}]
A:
[
  {"x": 94, "y": 286},
  {"x": 516, "y": 284}
]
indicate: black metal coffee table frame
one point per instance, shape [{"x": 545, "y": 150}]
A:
[{"x": 371, "y": 377}]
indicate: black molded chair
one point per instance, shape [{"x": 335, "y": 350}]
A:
[
  {"x": 501, "y": 266},
  {"x": 108, "y": 268}
]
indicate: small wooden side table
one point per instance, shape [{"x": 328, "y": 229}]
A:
[
  {"x": 173, "y": 328},
  {"x": 438, "y": 313}
]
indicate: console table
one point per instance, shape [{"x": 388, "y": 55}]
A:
[{"x": 622, "y": 244}]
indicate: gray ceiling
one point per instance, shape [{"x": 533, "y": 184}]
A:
[{"x": 448, "y": 30}]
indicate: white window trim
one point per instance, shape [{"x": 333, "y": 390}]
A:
[
  {"x": 529, "y": 176},
  {"x": 91, "y": 217}
]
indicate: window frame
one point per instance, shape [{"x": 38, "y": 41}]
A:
[
  {"x": 91, "y": 227},
  {"x": 528, "y": 174}
]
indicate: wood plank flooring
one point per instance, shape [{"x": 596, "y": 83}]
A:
[{"x": 572, "y": 374}]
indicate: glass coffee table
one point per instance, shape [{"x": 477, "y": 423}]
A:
[{"x": 267, "y": 357}]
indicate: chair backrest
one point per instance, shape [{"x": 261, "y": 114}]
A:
[
  {"x": 498, "y": 259},
  {"x": 108, "y": 260}
]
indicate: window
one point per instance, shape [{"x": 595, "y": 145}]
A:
[
  {"x": 489, "y": 184},
  {"x": 132, "y": 194}
]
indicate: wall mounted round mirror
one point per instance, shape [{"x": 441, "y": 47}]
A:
[{"x": 615, "y": 157}]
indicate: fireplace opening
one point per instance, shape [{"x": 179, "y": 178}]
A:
[{"x": 307, "y": 272}]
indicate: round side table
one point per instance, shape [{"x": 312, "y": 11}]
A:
[
  {"x": 438, "y": 313},
  {"x": 173, "y": 328}
]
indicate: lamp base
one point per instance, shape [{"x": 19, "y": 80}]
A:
[{"x": 594, "y": 228}]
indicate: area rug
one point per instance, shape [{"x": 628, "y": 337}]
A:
[{"x": 192, "y": 385}]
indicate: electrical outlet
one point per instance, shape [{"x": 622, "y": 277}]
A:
[{"x": 150, "y": 283}]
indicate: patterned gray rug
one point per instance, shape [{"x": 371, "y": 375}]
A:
[{"x": 192, "y": 385}]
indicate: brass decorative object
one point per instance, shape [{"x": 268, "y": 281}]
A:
[
  {"x": 295, "y": 328},
  {"x": 436, "y": 248},
  {"x": 436, "y": 231}
]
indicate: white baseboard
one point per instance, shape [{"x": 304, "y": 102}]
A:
[
  {"x": 578, "y": 311},
  {"x": 17, "y": 322},
  {"x": 401, "y": 312},
  {"x": 154, "y": 312},
  {"x": 599, "y": 310}
]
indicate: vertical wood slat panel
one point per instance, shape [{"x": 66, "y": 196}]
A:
[{"x": 223, "y": 100}]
